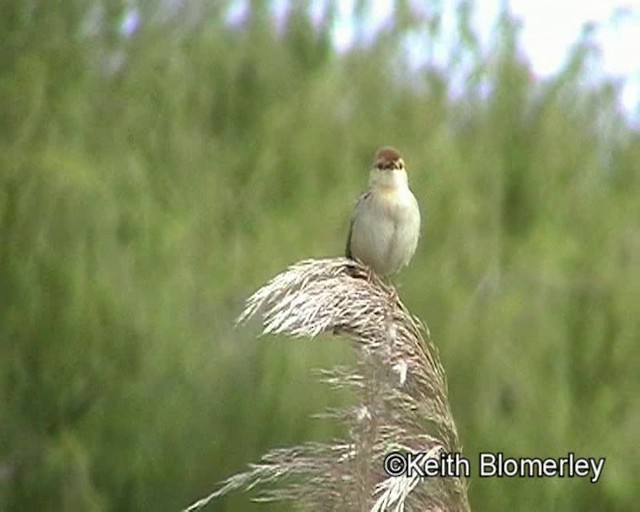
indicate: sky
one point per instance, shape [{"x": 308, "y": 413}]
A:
[{"x": 549, "y": 28}]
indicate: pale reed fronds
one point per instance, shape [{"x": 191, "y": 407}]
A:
[{"x": 401, "y": 389}]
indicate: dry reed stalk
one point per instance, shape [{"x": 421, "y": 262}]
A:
[{"x": 403, "y": 404}]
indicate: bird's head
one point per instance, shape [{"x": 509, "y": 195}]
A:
[
  {"x": 388, "y": 170},
  {"x": 388, "y": 159}
]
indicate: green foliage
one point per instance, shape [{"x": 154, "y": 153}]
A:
[{"x": 149, "y": 183}]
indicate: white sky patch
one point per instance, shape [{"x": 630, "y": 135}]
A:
[
  {"x": 379, "y": 15},
  {"x": 344, "y": 26},
  {"x": 549, "y": 29},
  {"x": 130, "y": 22},
  {"x": 237, "y": 13},
  {"x": 551, "y": 26},
  {"x": 318, "y": 11}
]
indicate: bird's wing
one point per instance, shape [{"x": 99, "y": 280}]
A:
[{"x": 361, "y": 199}]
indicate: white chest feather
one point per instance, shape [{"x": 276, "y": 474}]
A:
[{"x": 386, "y": 227}]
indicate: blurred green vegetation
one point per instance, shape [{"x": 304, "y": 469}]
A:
[{"x": 150, "y": 182}]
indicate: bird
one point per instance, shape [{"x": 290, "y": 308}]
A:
[{"x": 385, "y": 225}]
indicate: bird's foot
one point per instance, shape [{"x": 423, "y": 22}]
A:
[
  {"x": 393, "y": 294},
  {"x": 370, "y": 275}
]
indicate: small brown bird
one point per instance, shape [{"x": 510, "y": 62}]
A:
[{"x": 385, "y": 226}]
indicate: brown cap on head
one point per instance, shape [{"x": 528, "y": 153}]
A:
[{"x": 388, "y": 159}]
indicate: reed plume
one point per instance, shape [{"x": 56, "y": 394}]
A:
[{"x": 401, "y": 390}]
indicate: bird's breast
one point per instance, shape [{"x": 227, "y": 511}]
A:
[{"x": 385, "y": 231}]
